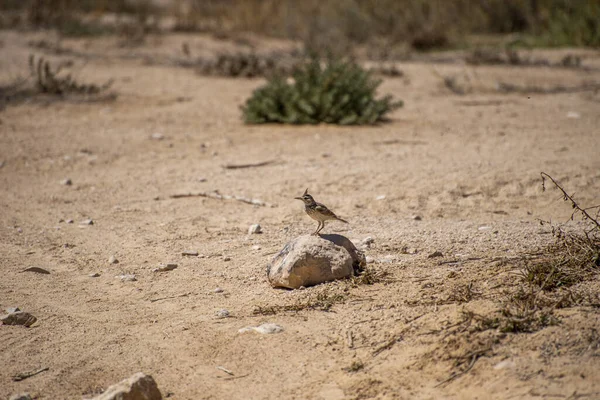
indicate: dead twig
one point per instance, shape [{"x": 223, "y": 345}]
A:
[
  {"x": 25, "y": 375},
  {"x": 250, "y": 165},
  {"x": 170, "y": 297},
  {"x": 228, "y": 372},
  {"x": 473, "y": 356},
  {"x": 387, "y": 345},
  {"x": 218, "y": 196},
  {"x": 568, "y": 197}
]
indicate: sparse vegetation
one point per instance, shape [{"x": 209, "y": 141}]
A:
[
  {"x": 322, "y": 301},
  {"x": 331, "y": 26},
  {"x": 341, "y": 92},
  {"x": 49, "y": 83}
]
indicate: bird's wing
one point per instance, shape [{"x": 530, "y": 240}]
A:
[{"x": 326, "y": 211}]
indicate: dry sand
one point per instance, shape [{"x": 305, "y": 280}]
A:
[{"x": 467, "y": 165}]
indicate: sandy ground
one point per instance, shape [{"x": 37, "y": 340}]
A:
[{"x": 467, "y": 165}]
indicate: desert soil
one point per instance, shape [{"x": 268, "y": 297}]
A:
[{"x": 469, "y": 166}]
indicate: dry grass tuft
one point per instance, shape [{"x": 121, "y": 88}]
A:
[{"x": 322, "y": 301}]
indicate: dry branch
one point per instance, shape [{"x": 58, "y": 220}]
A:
[
  {"x": 506, "y": 87},
  {"x": 249, "y": 165},
  {"x": 218, "y": 196}
]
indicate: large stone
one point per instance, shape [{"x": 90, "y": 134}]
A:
[
  {"x": 309, "y": 260},
  {"x": 139, "y": 387}
]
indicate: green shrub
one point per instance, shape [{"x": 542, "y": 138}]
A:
[{"x": 341, "y": 92}]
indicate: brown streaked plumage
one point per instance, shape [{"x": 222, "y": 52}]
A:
[{"x": 318, "y": 211}]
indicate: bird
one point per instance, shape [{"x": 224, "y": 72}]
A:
[{"x": 318, "y": 211}]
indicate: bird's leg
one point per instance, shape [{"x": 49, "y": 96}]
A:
[
  {"x": 322, "y": 226},
  {"x": 317, "y": 231}
]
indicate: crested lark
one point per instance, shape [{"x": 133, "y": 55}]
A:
[{"x": 317, "y": 211}]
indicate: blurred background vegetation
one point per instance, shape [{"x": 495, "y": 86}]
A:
[{"x": 334, "y": 25}]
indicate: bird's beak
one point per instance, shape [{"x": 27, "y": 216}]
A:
[{"x": 298, "y": 198}]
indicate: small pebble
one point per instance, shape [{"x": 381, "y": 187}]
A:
[
  {"x": 256, "y": 247},
  {"x": 226, "y": 258},
  {"x": 157, "y": 136},
  {"x": 484, "y": 228},
  {"x": 189, "y": 253},
  {"x": 380, "y": 197},
  {"x": 87, "y": 222},
  {"x": 573, "y": 115},
  {"x": 436, "y": 254},
  {"x": 416, "y": 217},
  {"x": 127, "y": 278},
  {"x": 165, "y": 268},
  {"x": 69, "y": 221},
  {"x": 21, "y": 396},
  {"x": 370, "y": 260},
  {"x": 94, "y": 275},
  {"x": 202, "y": 179},
  {"x": 66, "y": 182},
  {"x": 222, "y": 314},
  {"x": 368, "y": 241},
  {"x": 263, "y": 329},
  {"x": 255, "y": 228},
  {"x": 113, "y": 260},
  {"x": 218, "y": 290}
]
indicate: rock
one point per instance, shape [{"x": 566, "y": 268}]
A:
[
  {"x": 484, "y": 228},
  {"x": 380, "y": 197},
  {"x": 69, "y": 221},
  {"x": 189, "y": 253},
  {"x": 254, "y": 228},
  {"x": 370, "y": 260},
  {"x": 94, "y": 275},
  {"x": 218, "y": 290},
  {"x": 573, "y": 115},
  {"x": 256, "y": 247},
  {"x": 18, "y": 318},
  {"x": 113, "y": 260},
  {"x": 66, "y": 182},
  {"x": 436, "y": 254},
  {"x": 87, "y": 222},
  {"x": 165, "y": 268},
  {"x": 201, "y": 179},
  {"x": 309, "y": 260},
  {"x": 37, "y": 270},
  {"x": 222, "y": 314},
  {"x": 20, "y": 396},
  {"x": 139, "y": 387},
  {"x": 416, "y": 217},
  {"x": 157, "y": 136},
  {"x": 126, "y": 278},
  {"x": 263, "y": 329},
  {"x": 226, "y": 258}
]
